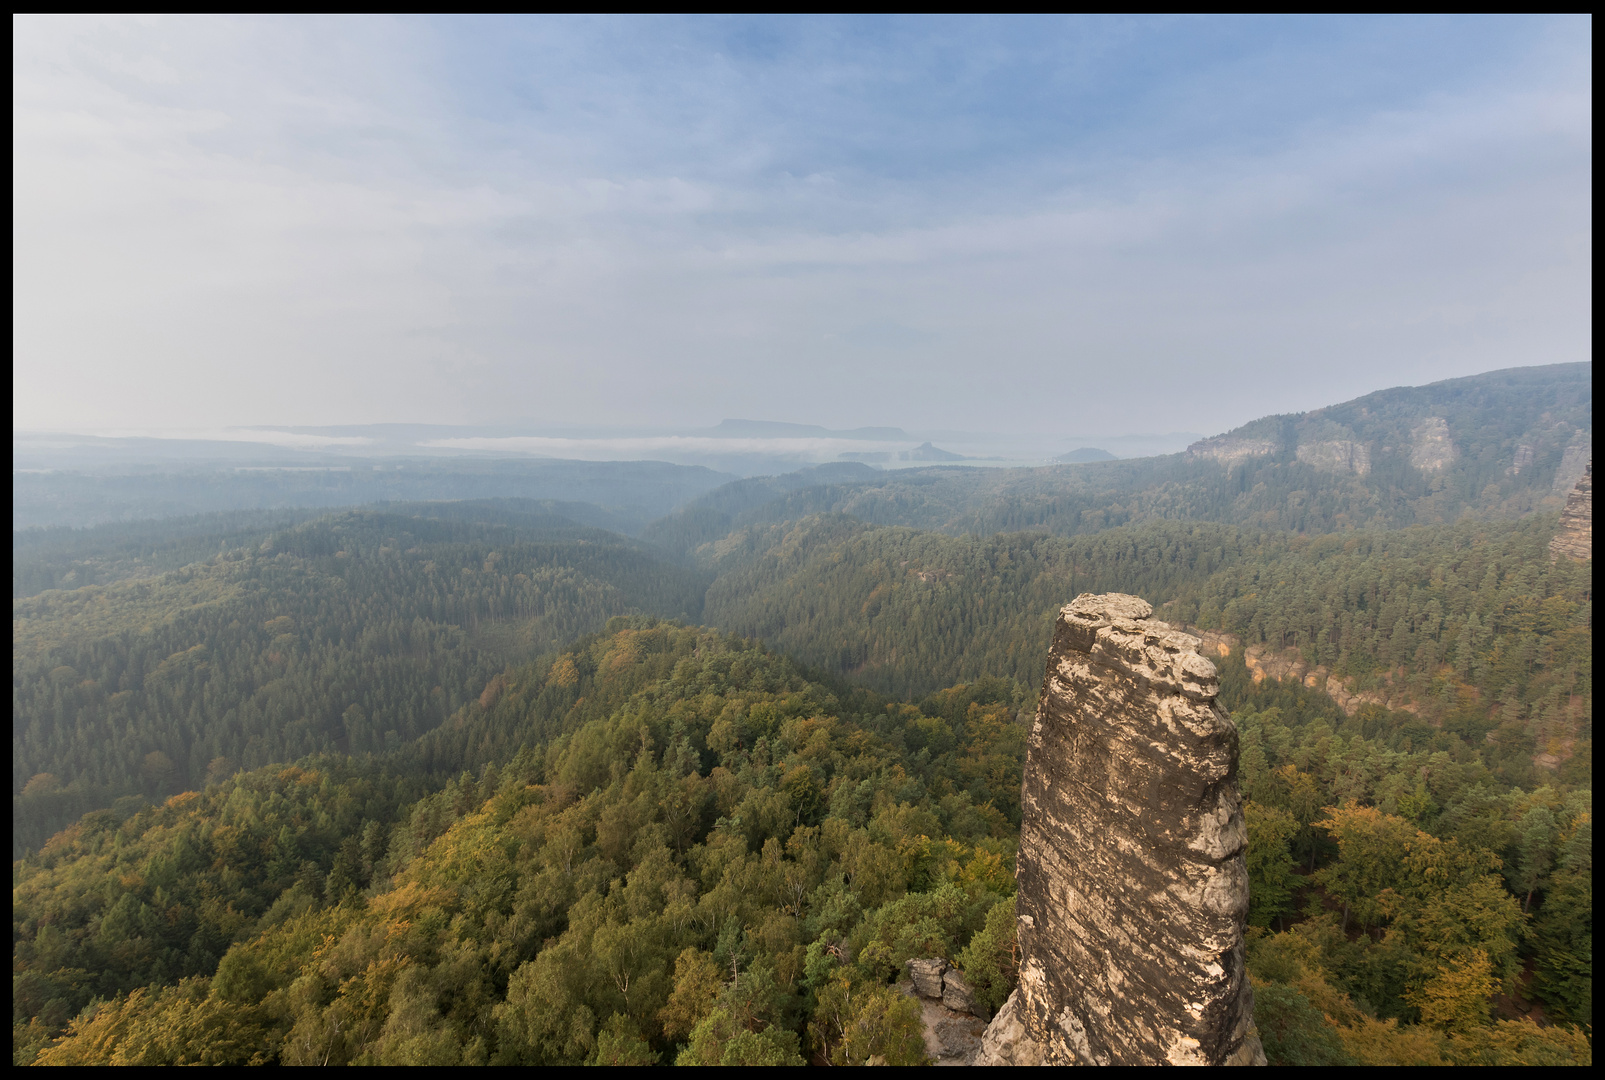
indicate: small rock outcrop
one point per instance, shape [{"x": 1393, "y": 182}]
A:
[
  {"x": 1132, "y": 885},
  {"x": 1575, "y": 460},
  {"x": 1431, "y": 448},
  {"x": 956, "y": 992},
  {"x": 1006, "y": 1041},
  {"x": 926, "y": 975},
  {"x": 1229, "y": 451},
  {"x": 947, "y": 1010},
  {"x": 1336, "y": 455},
  {"x": 1575, "y": 540}
]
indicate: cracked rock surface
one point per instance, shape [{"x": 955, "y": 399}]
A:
[{"x": 1132, "y": 886}]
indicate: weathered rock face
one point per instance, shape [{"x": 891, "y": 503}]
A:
[
  {"x": 1006, "y": 1042},
  {"x": 1132, "y": 885},
  {"x": 926, "y": 975},
  {"x": 1337, "y": 455},
  {"x": 1575, "y": 460},
  {"x": 1575, "y": 540},
  {"x": 1431, "y": 448},
  {"x": 947, "y": 1011},
  {"x": 1229, "y": 451}
]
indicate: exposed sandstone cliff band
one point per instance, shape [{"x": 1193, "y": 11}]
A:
[
  {"x": 1575, "y": 540},
  {"x": 1338, "y": 455},
  {"x": 1431, "y": 448},
  {"x": 1575, "y": 460},
  {"x": 1132, "y": 885},
  {"x": 1230, "y": 451}
]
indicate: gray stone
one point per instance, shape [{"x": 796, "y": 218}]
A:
[
  {"x": 1132, "y": 885},
  {"x": 956, "y": 993},
  {"x": 1575, "y": 460},
  {"x": 1229, "y": 451},
  {"x": 1006, "y": 1042},
  {"x": 926, "y": 975},
  {"x": 951, "y": 1038},
  {"x": 1336, "y": 455},
  {"x": 958, "y": 1035}
]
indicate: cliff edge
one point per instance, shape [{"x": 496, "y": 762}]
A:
[
  {"x": 1132, "y": 885},
  {"x": 1575, "y": 540}
]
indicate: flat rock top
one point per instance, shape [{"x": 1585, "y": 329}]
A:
[
  {"x": 1108, "y": 607},
  {"x": 1117, "y": 629}
]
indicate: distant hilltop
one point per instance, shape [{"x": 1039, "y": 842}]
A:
[
  {"x": 923, "y": 452},
  {"x": 777, "y": 429},
  {"x": 1085, "y": 454}
]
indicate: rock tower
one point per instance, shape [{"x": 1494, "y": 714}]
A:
[
  {"x": 1575, "y": 540},
  {"x": 1132, "y": 885}
]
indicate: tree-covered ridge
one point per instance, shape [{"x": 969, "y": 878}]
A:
[
  {"x": 1487, "y": 637},
  {"x": 729, "y": 867},
  {"x": 70, "y": 558},
  {"x": 113, "y": 487},
  {"x": 905, "y": 611},
  {"x": 67, "y": 558},
  {"x": 353, "y": 633},
  {"x": 1488, "y": 420}
]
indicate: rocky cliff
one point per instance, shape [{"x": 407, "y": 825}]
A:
[
  {"x": 1229, "y": 451},
  {"x": 1132, "y": 885},
  {"x": 1575, "y": 540}
]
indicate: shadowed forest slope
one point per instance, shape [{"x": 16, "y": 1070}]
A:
[{"x": 354, "y": 632}]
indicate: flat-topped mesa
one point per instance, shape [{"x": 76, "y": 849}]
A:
[{"x": 1132, "y": 885}]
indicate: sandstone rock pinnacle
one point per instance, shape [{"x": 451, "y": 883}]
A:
[
  {"x": 1132, "y": 885},
  {"x": 1575, "y": 540}
]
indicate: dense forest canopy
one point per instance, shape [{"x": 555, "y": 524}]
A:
[
  {"x": 354, "y": 632},
  {"x": 467, "y": 782}
]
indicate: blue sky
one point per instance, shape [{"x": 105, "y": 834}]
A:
[{"x": 996, "y": 224}]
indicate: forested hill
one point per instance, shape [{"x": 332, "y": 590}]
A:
[
  {"x": 353, "y": 632},
  {"x": 1497, "y": 445},
  {"x": 1520, "y": 420}
]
